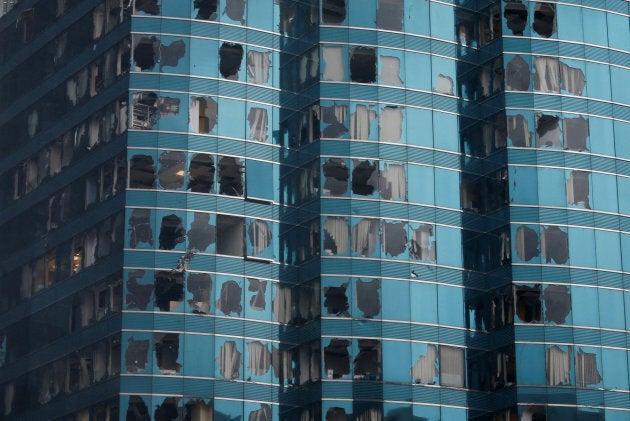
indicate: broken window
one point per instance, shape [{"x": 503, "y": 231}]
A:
[
  {"x": 167, "y": 411},
  {"x": 137, "y": 409},
  {"x": 422, "y": 245},
  {"x": 367, "y": 362},
  {"x": 526, "y": 243},
  {"x": 198, "y": 410},
  {"x": 518, "y": 131},
  {"x": 167, "y": 352},
  {"x": 136, "y": 355},
  {"x": 360, "y": 122},
  {"x": 260, "y": 236},
  {"x": 528, "y": 303},
  {"x": 230, "y": 56},
  {"x": 172, "y": 232},
  {"x": 147, "y": 6},
  {"x": 390, "y": 70},
  {"x": 368, "y": 297},
  {"x": 575, "y": 131},
  {"x": 171, "y": 172},
  {"x": 516, "y": 17},
  {"x": 393, "y": 182},
  {"x": 333, "y": 63},
  {"x": 336, "y": 235},
  {"x": 201, "y": 173},
  {"x": 200, "y": 286},
  {"x": 230, "y": 299},
  {"x": 572, "y": 79},
  {"x": 557, "y": 303},
  {"x": 229, "y": 360},
  {"x": 586, "y": 373},
  {"x": 544, "y": 19},
  {"x": 259, "y": 358},
  {"x": 203, "y": 114},
  {"x": 389, "y": 15},
  {"x": 444, "y": 85},
  {"x": 451, "y": 366},
  {"x": 364, "y": 177},
  {"x": 258, "y": 124},
  {"x": 547, "y": 75},
  {"x": 336, "y": 414},
  {"x": 424, "y": 370},
  {"x": 169, "y": 290},
  {"x": 283, "y": 304},
  {"x": 517, "y": 74},
  {"x": 337, "y": 174},
  {"x": 394, "y": 238},
  {"x": 337, "y": 358},
  {"x": 258, "y": 64},
  {"x": 547, "y": 130},
  {"x": 363, "y": 64},
  {"x": 145, "y": 53},
  {"x": 201, "y": 233},
  {"x": 141, "y": 172},
  {"x": 230, "y": 235},
  {"x": 140, "y": 227},
  {"x": 257, "y": 301},
  {"x": 207, "y": 9},
  {"x": 558, "y": 362},
  {"x": 578, "y": 189},
  {"x": 138, "y": 295},
  {"x": 336, "y": 300},
  {"x": 365, "y": 237},
  {"x": 390, "y": 124},
  {"x": 554, "y": 245},
  {"x": 230, "y": 176},
  {"x": 333, "y": 11}
]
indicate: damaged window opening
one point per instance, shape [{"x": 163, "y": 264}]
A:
[
  {"x": 444, "y": 85},
  {"x": 547, "y": 130},
  {"x": 258, "y": 124},
  {"x": 172, "y": 232},
  {"x": 207, "y": 9},
  {"x": 136, "y": 355},
  {"x": 554, "y": 245},
  {"x": 360, "y": 122},
  {"x": 516, "y": 17},
  {"x": 138, "y": 295},
  {"x": 137, "y": 409},
  {"x": 333, "y": 64},
  {"x": 262, "y": 414},
  {"x": 586, "y": 373},
  {"x": 230, "y": 176},
  {"x": 258, "y": 64},
  {"x": 167, "y": 352},
  {"x": 336, "y": 414},
  {"x": 168, "y": 411},
  {"x": 260, "y": 236},
  {"x": 335, "y": 117},
  {"x": 572, "y": 79},
  {"x": 518, "y": 131},
  {"x": 230, "y": 235},
  {"x": 528, "y": 303},
  {"x": 575, "y": 132},
  {"x": 557, "y": 303},
  {"x": 201, "y": 233},
  {"x": 171, "y": 172},
  {"x": 578, "y": 189},
  {"x": 235, "y": 10},
  {"x": 229, "y": 360},
  {"x": 141, "y": 172},
  {"x": 140, "y": 227},
  {"x": 200, "y": 286},
  {"x": 544, "y": 19},
  {"x": 230, "y": 58},
  {"x": 257, "y": 302},
  {"x": 365, "y": 237},
  {"x": 336, "y": 300},
  {"x": 337, "y": 174},
  {"x": 336, "y": 233},
  {"x": 203, "y": 114},
  {"x": 389, "y": 15},
  {"x": 201, "y": 173},
  {"x": 145, "y": 53},
  {"x": 363, "y": 65},
  {"x": 422, "y": 246},
  {"x": 230, "y": 299},
  {"x": 169, "y": 290},
  {"x": 526, "y": 243},
  {"x": 337, "y": 358},
  {"x": 147, "y": 6},
  {"x": 558, "y": 366},
  {"x": 517, "y": 74},
  {"x": 368, "y": 297},
  {"x": 394, "y": 238},
  {"x": 364, "y": 177},
  {"x": 424, "y": 371},
  {"x": 390, "y": 124},
  {"x": 145, "y": 113},
  {"x": 367, "y": 363},
  {"x": 259, "y": 359},
  {"x": 198, "y": 410},
  {"x": 333, "y": 11},
  {"x": 390, "y": 70},
  {"x": 393, "y": 182},
  {"x": 452, "y": 371}
]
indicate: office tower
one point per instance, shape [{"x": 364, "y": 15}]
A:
[{"x": 301, "y": 210}]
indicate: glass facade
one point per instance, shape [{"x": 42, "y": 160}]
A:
[{"x": 314, "y": 209}]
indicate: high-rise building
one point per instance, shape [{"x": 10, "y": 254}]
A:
[{"x": 369, "y": 210}]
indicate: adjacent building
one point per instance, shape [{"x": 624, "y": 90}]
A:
[{"x": 314, "y": 210}]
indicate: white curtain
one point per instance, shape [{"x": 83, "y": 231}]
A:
[
  {"x": 557, "y": 366},
  {"x": 229, "y": 360},
  {"x": 333, "y": 63},
  {"x": 340, "y": 112},
  {"x": 547, "y": 76},
  {"x": 425, "y": 368},
  {"x": 259, "y": 358},
  {"x": 573, "y": 79},
  {"x": 71, "y": 91},
  {"x": 391, "y": 124},
  {"x": 258, "y": 122},
  {"x": 586, "y": 369},
  {"x": 258, "y": 65},
  {"x": 98, "y": 20},
  {"x": 517, "y": 122},
  {"x": 194, "y": 114},
  {"x": 94, "y": 131},
  {"x": 55, "y": 158},
  {"x": 32, "y": 123},
  {"x": 371, "y": 414},
  {"x": 282, "y": 304},
  {"x": 314, "y": 61},
  {"x": 31, "y": 175},
  {"x": 451, "y": 366},
  {"x": 422, "y": 247},
  {"x": 339, "y": 230},
  {"x": 485, "y": 79},
  {"x": 360, "y": 122},
  {"x": 365, "y": 237},
  {"x": 393, "y": 182},
  {"x": 259, "y": 235},
  {"x": 89, "y": 246},
  {"x": 390, "y": 70}
]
